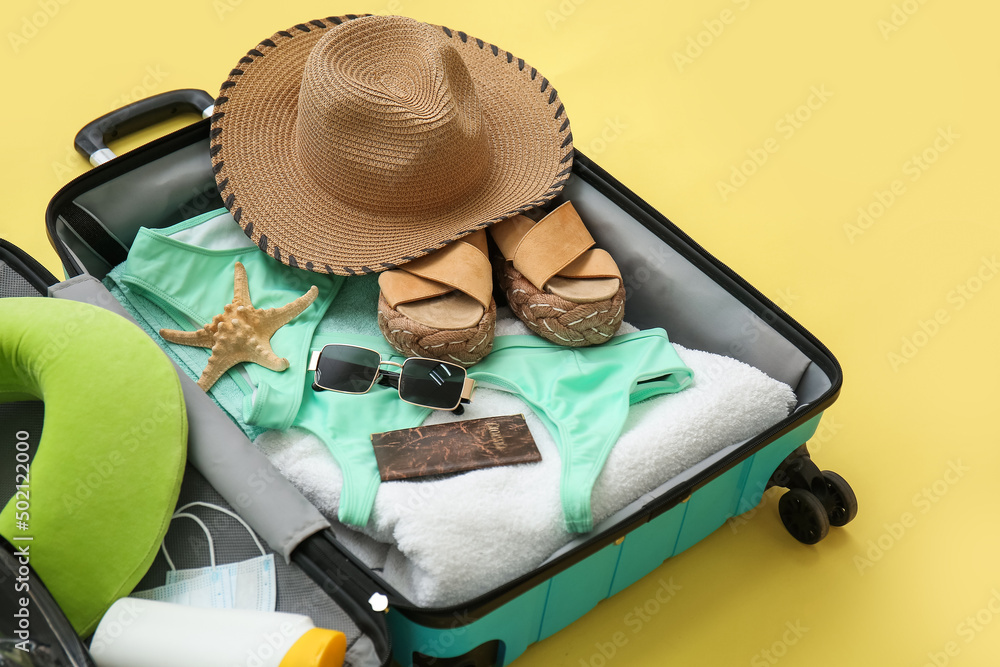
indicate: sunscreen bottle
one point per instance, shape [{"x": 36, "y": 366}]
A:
[{"x": 148, "y": 633}]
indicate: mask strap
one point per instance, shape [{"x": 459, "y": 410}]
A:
[
  {"x": 211, "y": 547},
  {"x": 230, "y": 513}
]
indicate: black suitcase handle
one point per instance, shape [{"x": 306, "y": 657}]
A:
[{"x": 91, "y": 141}]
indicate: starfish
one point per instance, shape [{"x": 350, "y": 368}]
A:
[{"x": 241, "y": 332}]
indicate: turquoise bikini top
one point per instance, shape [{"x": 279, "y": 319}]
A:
[{"x": 188, "y": 269}]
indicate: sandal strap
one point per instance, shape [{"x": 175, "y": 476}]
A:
[
  {"x": 540, "y": 250},
  {"x": 461, "y": 265},
  {"x": 596, "y": 263}
]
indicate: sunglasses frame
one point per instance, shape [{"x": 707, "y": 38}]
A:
[{"x": 395, "y": 378}]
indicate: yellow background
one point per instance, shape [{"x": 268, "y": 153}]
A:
[{"x": 891, "y": 588}]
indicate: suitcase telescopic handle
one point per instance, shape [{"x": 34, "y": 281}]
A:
[{"x": 92, "y": 140}]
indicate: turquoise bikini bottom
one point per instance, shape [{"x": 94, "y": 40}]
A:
[{"x": 582, "y": 395}]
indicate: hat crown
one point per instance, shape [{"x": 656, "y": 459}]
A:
[{"x": 389, "y": 119}]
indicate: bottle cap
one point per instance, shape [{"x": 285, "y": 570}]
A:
[{"x": 318, "y": 647}]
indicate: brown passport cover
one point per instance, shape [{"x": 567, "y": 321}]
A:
[{"x": 451, "y": 447}]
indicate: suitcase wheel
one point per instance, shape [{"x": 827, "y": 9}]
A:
[
  {"x": 815, "y": 500},
  {"x": 804, "y": 516},
  {"x": 845, "y": 502}
]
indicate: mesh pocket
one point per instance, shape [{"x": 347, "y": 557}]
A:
[
  {"x": 13, "y": 283},
  {"x": 20, "y": 274},
  {"x": 188, "y": 547}
]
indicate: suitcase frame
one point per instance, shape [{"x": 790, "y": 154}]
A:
[{"x": 93, "y": 219}]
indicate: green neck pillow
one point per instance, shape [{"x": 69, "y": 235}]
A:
[{"x": 105, "y": 478}]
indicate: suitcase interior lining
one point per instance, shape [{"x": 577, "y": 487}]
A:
[{"x": 157, "y": 194}]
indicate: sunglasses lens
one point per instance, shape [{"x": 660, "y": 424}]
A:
[
  {"x": 347, "y": 369},
  {"x": 432, "y": 384}
]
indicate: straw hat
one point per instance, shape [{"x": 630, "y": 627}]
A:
[{"x": 350, "y": 145}]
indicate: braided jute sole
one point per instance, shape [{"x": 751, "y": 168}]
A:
[
  {"x": 460, "y": 346},
  {"x": 555, "y": 319}
]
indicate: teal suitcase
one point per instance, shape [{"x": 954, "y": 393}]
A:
[{"x": 671, "y": 281}]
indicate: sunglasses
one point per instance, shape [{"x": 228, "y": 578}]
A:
[{"x": 429, "y": 383}]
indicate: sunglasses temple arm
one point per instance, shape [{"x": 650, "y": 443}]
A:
[{"x": 468, "y": 389}]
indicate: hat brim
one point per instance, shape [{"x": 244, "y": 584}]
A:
[{"x": 291, "y": 217}]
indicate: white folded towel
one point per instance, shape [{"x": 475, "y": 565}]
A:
[{"x": 454, "y": 538}]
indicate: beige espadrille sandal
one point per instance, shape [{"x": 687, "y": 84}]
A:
[
  {"x": 565, "y": 290},
  {"x": 441, "y": 305}
]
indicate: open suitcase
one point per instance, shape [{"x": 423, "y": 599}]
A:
[{"x": 671, "y": 282}]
